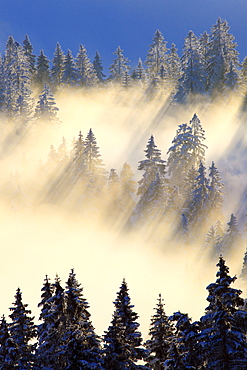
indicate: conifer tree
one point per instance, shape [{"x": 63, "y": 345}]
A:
[
  {"x": 98, "y": 67},
  {"x": 46, "y": 109},
  {"x": 222, "y": 340},
  {"x": 161, "y": 335},
  {"x": 128, "y": 187},
  {"x": 70, "y": 73},
  {"x": 122, "y": 340},
  {"x": 42, "y": 69},
  {"x": 215, "y": 192},
  {"x": 220, "y": 55},
  {"x": 156, "y": 56},
  {"x": 231, "y": 240},
  {"x": 119, "y": 66},
  {"x": 28, "y": 52},
  {"x": 81, "y": 348},
  {"x": 193, "y": 79},
  {"x": 8, "y": 348},
  {"x": 22, "y": 331},
  {"x": 86, "y": 72},
  {"x": 174, "y": 70},
  {"x": 57, "y": 69},
  {"x": 243, "y": 274}
]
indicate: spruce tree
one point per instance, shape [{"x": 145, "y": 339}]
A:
[
  {"x": 156, "y": 56},
  {"x": 46, "y": 109},
  {"x": 161, "y": 334},
  {"x": 8, "y": 348},
  {"x": 57, "y": 69},
  {"x": 42, "y": 69},
  {"x": 22, "y": 331},
  {"x": 119, "y": 66},
  {"x": 98, "y": 67},
  {"x": 222, "y": 340},
  {"x": 122, "y": 340},
  {"x": 28, "y": 52},
  {"x": 86, "y": 72},
  {"x": 70, "y": 73}
]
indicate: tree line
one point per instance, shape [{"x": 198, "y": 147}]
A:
[
  {"x": 209, "y": 66},
  {"x": 66, "y": 338}
]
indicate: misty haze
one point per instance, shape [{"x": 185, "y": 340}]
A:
[{"x": 136, "y": 180}]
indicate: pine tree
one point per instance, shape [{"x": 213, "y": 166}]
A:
[
  {"x": 119, "y": 66},
  {"x": 243, "y": 274},
  {"x": 161, "y": 335},
  {"x": 28, "y": 52},
  {"x": 215, "y": 192},
  {"x": 70, "y": 73},
  {"x": 128, "y": 188},
  {"x": 185, "y": 344},
  {"x": 156, "y": 56},
  {"x": 231, "y": 80},
  {"x": 222, "y": 341},
  {"x": 98, "y": 67},
  {"x": 57, "y": 69},
  {"x": 122, "y": 340},
  {"x": 86, "y": 72},
  {"x": 220, "y": 55},
  {"x": 17, "y": 93},
  {"x": 139, "y": 73},
  {"x": 81, "y": 348},
  {"x": 46, "y": 109},
  {"x": 8, "y": 348},
  {"x": 42, "y": 69},
  {"x": 174, "y": 70},
  {"x": 193, "y": 80},
  {"x": 22, "y": 331}
]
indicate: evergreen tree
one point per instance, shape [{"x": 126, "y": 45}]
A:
[
  {"x": 156, "y": 56},
  {"x": 128, "y": 187},
  {"x": 28, "y": 52},
  {"x": 81, "y": 348},
  {"x": 185, "y": 344},
  {"x": 86, "y": 72},
  {"x": 243, "y": 274},
  {"x": 70, "y": 74},
  {"x": 8, "y": 348},
  {"x": 161, "y": 335},
  {"x": 42, "y": 69},
  {"x": 98, "y": 67},
  {"x": 17, "y": 93},
  {"x": 222, "y": 341},
  {"x": 193, "y": 80},
  {"x": 122, "y": 340},
  {"x": 231, "y": 80},
  {"x": 174, "y": 69},
  {"x": 220, "y": 55},
  {"x": 119, "y": 66},
  {"x": 139, "y": 73},
  {"x": 57, "y": 69},
  {"x": 22, "y": 331},
  {"x": 215, "y": 192},
  {"x": 46, "y": 109}
]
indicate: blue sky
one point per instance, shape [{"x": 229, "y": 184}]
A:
[{"x": 104, "y": 24}]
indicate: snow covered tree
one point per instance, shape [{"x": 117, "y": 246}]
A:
[
  {"x": 220, "y": 55},
  {"x": 122, "y": 340},
  {"x": 28, "y": 52},
  {"x": 46, "y": 109},
  {"x": 119, "y": 66},
  {"x": 86, "y": 72},
  {"x": 161, "y": 334},
  {"x": 57, "y": 69},
  {"x": 17, "y": 92},
  {"x": 22, "y": 331},
  {"x": 98, "y": 67},
  {"x": 222, "y": 340},
  {"x": 81, "y": 346},
  {"x": 42, "y": 69},
  {"x": 185, "y": 344},
  {"x": 115, "y": 205},
  {"x": 187, "y": 150},
  {"x": 199, "y": 205},
  {"x": 231, "y": 80},
  {"x": 193, "y": 79},
  {"x": 174, "y": 70},
  {"x": 8, "y": 348},
  {"x": 156, "y": 56},
  {"x": 139, "y": 73},
  {"x": 70, "y": 73},
  {"x": 49, "y": 352}
]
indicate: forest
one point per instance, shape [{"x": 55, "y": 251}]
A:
[{"x": 191, "y": 202}]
